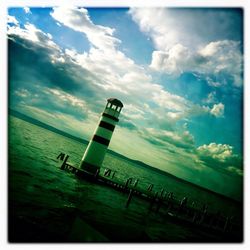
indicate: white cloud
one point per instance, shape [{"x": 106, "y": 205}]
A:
[
  {"x": 181, "y": 139},
  {"x": 79, "y": 20},
  {"x": 221, "y": 152},
  {"x": 170, "y": 26},
  {"x": 215, "y": 58},
  {"x": 211, "y": 97},
  {"x": 27, "y": 10},
  {"x": 220, "y": 157},
  {"x": 223, "y": 56},
  {"x": 218, "y": 110},
  {"x": 119, "y": 74},
  {"x": 235, "y": 170},
  {"x": 134, "y": 112},
  {"x": 68, "y": 123},
  {"x": 174, "y": 61},
  {"x": 181, "y": 44},
  {"x": 215, "y": 83},
  {"x": 24, "y": 93},
  {"x": 158, "y": 24},
  {"x": 31, "y": 33},
  {"x": 12, "y": 19},
  {"x": 67, "y": 98}
]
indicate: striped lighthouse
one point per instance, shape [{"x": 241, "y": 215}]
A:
[{"x": 97, "y": 147}]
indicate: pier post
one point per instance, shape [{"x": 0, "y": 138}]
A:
[
  {"x": 136, "y": 182},
  {"x": 107, "y": 172},
  {"x": 64, "y": 162},
  {"x": 113, "y": 175},
  {"x": 129, "y": 198},
  {"x": 182, "y": 206},
  {"x": 203, "y": 214},
  {"x": 226, "y": 224},
  {"x": 150, "y": 187},
  {"x": 153, "y": 200},
  {"x": 128, "y": 181},
  {"x": 60, "y": 156},
  {"x": 97, "y": 173},
  {"x": 170, "y": 201},
  {"x": 160, "y": 202},
  {"x": 194, "y": 217},
  {"x": 161, "y": 193}
]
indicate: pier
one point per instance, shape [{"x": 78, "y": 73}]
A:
[{"x": 160, "y": 202}]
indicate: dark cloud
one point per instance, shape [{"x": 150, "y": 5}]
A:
[
  {"x": 199, "y": 59},
  {"x": 224, "y": 167},
  {"x": 215, "y": 156},
  {"x": 46, "y": 101},
  {"x": 35, "y": 66},
  {"x": 221, "y": 158},
  {"x": 126, "y": 123},
  {"x": 31, "y": 64},
  {"x": 169, "y": 139}
]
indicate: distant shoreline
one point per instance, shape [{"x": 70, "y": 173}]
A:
[{"x": 36, "y": 122}]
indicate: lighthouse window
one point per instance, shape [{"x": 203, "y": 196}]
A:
[{"x": 109, "y": 104}]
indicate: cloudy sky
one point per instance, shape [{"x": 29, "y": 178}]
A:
[{"x": 179, "y": 73}]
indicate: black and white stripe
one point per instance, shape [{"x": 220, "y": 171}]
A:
[
  {"x": 107, "y": 125},
  {"x": 101, "y": 140}
]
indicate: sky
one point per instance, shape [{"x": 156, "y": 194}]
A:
[{"x": 178, "y": 72}]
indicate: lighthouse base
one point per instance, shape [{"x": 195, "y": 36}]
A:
[{"x": 89, "y": 168}]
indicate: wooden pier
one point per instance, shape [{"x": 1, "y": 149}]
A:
[{"x": 160, "y": 202}]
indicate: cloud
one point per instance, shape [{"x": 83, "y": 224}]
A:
[
  {"x": 31, "y": 34},
  {"x": 170, "y": 26},
  {"x": 174, "y": 61},
  {"x": 218, "y": 110},
  {"x": 50, "y": 100},
  {"x": 158, "y": 24},
  {"x": 182, "y": 46},
  {"x": 27, "y": 10},
  {"x": 220, "y": 157},
  {"x": 221, "y": 152},
  {"x": 165, "y": 138},
  {"x": 79, "y": 20},
  {"x": 235, "y": 170},
  {"x": 211, "y": 98},
  {"x": 22, "y": 93},
  {"x": 118, "y": 74},
  {"x": 222, "y": 59},
  {"x": 127, "y": 123},
  {"x": 63, "y": 121},
  {"x": 12, "y": 20},
  {"x": 34, "y": 50},
  {"x": 67, "y": 103}
]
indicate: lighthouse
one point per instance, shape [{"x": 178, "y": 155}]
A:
[{"x": 97, "y": 147}]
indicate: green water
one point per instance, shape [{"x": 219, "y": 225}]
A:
[{"x": 37, "y": 186}]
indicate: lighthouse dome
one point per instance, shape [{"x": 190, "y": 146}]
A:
[{"x": 115, "y": 102}]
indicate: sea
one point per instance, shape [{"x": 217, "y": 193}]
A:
[{"x": 45, "y": 202}]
